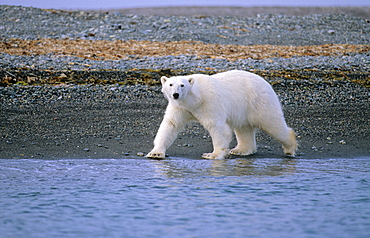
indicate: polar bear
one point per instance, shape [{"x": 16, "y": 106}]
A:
[{"x": 234, "y": 100}]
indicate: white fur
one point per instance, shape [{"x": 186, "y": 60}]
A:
[{"x": 233, "y": 100}]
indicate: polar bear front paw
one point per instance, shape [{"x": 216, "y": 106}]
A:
[{"x": 156, "y": 155}]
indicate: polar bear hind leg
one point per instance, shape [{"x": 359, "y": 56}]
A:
[
  {"x": 283, "y": 134},
  {"x": 290, "y": 144}
]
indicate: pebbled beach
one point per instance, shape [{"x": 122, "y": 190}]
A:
[{"x": 78, "y": 84}]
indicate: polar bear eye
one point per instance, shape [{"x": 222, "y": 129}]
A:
[
  {"x": 170, "y": 84},
  {"x": 182, "y": 85}
]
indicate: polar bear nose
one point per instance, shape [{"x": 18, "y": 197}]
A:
[{"x": 176, "y": 95}]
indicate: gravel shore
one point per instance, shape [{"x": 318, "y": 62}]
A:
[
  {"x": 33, "y": 23},
  {"x": 325, "y": 98}
]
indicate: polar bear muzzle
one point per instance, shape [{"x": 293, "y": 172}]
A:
[{"x": 176, "y": 95}]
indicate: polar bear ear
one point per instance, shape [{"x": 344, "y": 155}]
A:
[
  {"x": 163, "y": 80},
  {"x": 191, "y": 81}
]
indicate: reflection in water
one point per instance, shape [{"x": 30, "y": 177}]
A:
[
  {"x": 182, "y": 168},
  {"x": 181, "y": 197}
]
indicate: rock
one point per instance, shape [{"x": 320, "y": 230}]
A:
[{"x": 141, "y": 154}]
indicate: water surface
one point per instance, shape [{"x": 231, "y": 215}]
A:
[
  {"x": 179, "y": 197},
  {"x": 111, "y": 4}
]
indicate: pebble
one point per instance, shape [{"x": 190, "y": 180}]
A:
[{"x": 267, "y": 147}]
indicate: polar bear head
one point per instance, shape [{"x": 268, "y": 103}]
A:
[{"x": 176, "y": 88}]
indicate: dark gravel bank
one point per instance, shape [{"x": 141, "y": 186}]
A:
[
  {"x": 327, "y": 108},
  {"x": 79, "y": 121}
]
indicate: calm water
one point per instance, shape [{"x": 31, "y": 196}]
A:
[
  {"x": 111, "y": 4},
  {"x": 178, "y": 197}
]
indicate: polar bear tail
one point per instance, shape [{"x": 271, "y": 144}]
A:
[{"x": 290, "y": 146}]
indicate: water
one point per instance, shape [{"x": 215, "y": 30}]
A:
[
  {"x": 112, "y": 4},
  {"x": 179, "y": 197}
]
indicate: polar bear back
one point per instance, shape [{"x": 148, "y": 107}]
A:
[{"x": 242, "y": 97}]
